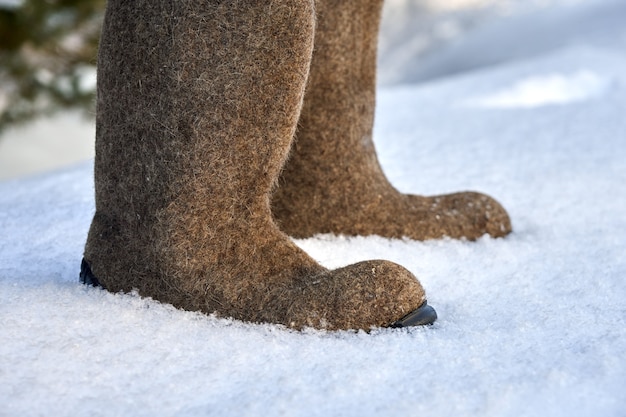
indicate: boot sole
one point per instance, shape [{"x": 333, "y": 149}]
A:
[{"x": 424, "y": 315}]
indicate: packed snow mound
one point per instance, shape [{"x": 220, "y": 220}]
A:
[
  {"x": 416, "y": 46},
  {"x": 533, "y": 324}
]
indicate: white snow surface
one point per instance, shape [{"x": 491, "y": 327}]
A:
[{"x": 532, "y": 324}]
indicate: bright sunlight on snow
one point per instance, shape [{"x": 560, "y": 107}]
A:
[
  {"x": 530, "y": 325},
  {"x": 546, "y": 90}
]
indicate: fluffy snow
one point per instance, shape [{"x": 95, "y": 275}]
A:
[{"x": 533, "y": 324}]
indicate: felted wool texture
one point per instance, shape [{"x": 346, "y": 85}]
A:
[
  {"x": 196, "y": 111},
  {"x": 332, "y": 182}
]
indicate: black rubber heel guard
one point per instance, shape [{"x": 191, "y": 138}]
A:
[
  {"x": 424, "y": 315},
  {"x": 86, "y": 276}
]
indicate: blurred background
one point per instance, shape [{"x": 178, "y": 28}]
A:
[{"x": 48, "y": 55}]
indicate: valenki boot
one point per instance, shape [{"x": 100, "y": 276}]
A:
[
  {"x": 197, "y": 107},
  {"x": 332, "y": 182}
]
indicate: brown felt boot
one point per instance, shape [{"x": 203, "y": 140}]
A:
[
  {"x": 197, "y": 106},
  {"x": 332, "y": 182}
]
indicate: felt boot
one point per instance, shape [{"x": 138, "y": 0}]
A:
[
  {"x": 332, "y": 182},
  {"x": 197, "y": 107}
]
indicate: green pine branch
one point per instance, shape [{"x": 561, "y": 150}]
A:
[{"x": 47, "y": 57}]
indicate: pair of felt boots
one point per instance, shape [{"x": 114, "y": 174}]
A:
[{"x": 223, "y": 127}]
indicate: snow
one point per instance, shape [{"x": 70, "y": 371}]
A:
[
  {"x": 46, "y": 144},
  {"x": 533, "y": 324}
]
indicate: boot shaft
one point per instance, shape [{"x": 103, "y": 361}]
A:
[
  {"x": 188, "y": 91},
  {"x": 334, "y": 137},
  {"x": 346, "y": 40},
  {"x": 333, "y": 150}
]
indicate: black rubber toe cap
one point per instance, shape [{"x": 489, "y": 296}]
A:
[{"x": 425, "y": 314}]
